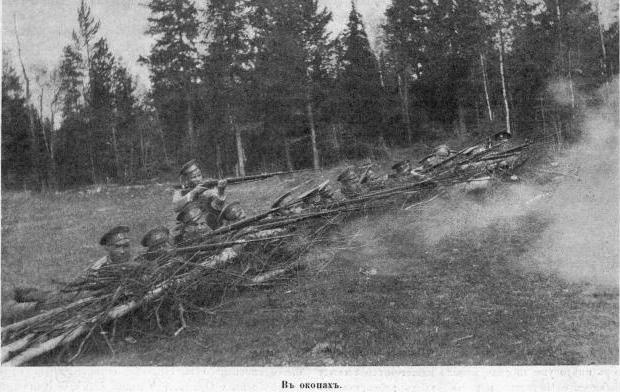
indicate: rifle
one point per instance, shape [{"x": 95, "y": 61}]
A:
[
  {"x": 451, "y": 158},
  {"x": 212, "y": 183}
]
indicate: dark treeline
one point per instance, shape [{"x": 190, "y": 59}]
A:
[{"x": 261, "y": 85}]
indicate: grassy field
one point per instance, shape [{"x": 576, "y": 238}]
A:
[{"x": 452, "y": 284}]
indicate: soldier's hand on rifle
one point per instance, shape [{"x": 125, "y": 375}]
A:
[
  {"x": 197, "y": 191},
  {"x": 221, "y": 186}
]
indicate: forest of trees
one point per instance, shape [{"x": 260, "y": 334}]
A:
[{"x": 261, "y": 85}]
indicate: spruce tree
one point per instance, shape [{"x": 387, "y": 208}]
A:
[
  {"x": 173, "y": 63},
  {"x": 225, "y": 75},
  {"x": 16, "y": 142},
  {"x": 292, "y": 47},
  {"x": 360, "y": 81}
]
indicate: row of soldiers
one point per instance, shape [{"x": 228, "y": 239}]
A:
[
  {"x": 200, "y": 208},
  {"x": 357, "y": 181}
]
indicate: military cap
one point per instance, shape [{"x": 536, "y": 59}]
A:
[
  {"x": 155, "y": 237},
  {"x": 189, "y": 167},
  {"x": 116, "y": 236},
  {"x": 232, "y": 212},
  {"x": 402, "y": 165},
  {"x": 281, "y": 199},
  {"x": 348, "y": 175},
  {"x": 190, "y": 213},
  {"x": 503, "y": 135},
  {"x": 442, "y": 150}
]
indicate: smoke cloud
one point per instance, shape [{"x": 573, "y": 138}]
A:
[
  {"x": 582, "y": 242},
  {"x": 579, "y": 207}
]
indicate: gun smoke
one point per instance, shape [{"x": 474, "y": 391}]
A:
[{"x": 580, "y": 242}]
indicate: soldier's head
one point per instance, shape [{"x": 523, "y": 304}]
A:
[
  {"x": 157, "y": 241},
  {"x": 369, "y": 176},
  {"x": 502, "y": 136},
  {"x": 232, "y": 213},
  {"x": 191, "y": 217},
  {"x": 402, "y": 167},
  {"x": 442, "y": 151},
  {"x": 117, "y": 243},
  {"x": 348, "y": 176},
  {"x": 283, "y": 200},
  {"x": 191, "y": 174},
  {"x": 326, "y": 192}
]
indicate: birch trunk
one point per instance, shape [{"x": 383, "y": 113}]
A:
[
  {"x": 315, "y": 151},
  {"x": 486, "y": 87},
  {"x": 238, "y": 142},
  {"x": 501, "y": 71}
]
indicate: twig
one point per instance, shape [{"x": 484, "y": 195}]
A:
[
  {"x": 79, "y": 351},
  {"x": 183, "y": 323},
  {"x": 455, "y": 341},
  {"x": 107, "y": 341}
]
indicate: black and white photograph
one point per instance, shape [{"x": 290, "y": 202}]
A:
[{"x": 319, "y": 194}]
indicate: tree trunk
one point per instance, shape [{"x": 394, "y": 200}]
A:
[
  {"x": 218, "y": 159},
  {"x": 570, "y": 81},
  {"x": 132, "y": 164},
  {"x": 335, "y": 141},
  {"x": 602, "y": 38},
  {"x": 404, "y": 105},
  {"x": 238, "y": 142},
  {"x": 315, "y": 151},
  {"x": 287, "y": 154},
  {"x": 477, "y": 112},
  {"x": 542, "y": 115},
  {"x": 501, "y": 71},
  {"x": 91, "y": 159},
  {"x": 53, "y": 166},
  {"x": 462, "y": 126},
  {"x": 190, "y": 127},
  {"x": 141, "y": 156},
  {"x": 117, "y": 163},
  {"x": 486, "y": 87},
  {"x": 160, "y": 132}
]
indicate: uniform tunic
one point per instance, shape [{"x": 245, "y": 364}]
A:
[{"x": 211, "y": 196}]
